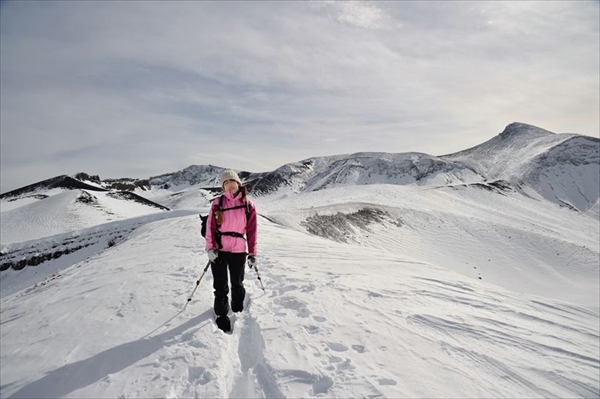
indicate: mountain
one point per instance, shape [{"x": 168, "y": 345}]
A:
[
  {"x": 64, "y": 204},
  {"x": 58, "y": 182},
  {"x": 195, "y": 175},
  {"x": 360, "y": 169},
  {"x": 561, "y": 168}
]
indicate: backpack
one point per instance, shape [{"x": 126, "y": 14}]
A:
[
  {"x": 205, "y": 218},
  {"x": 203, "y": 229}
]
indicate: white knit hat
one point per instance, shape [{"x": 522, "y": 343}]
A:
[{"x": 229, "y": 174}]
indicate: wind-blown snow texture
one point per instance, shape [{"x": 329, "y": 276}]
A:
[
  {"x": 469, "y": 288},
  {"x": 67, "y": 211}
]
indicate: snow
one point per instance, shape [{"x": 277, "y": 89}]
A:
[
  {"x": 84, "y": 243},
  {"x": 386, "y": 275},
  {"x": 569, "y": 173},
  {"x": 203, "y": 175},
  {"x": 91, "y": 183},
  {"x": 474, "y": 232},
  {"x": 30, "y": 198},
  {"x": 509, "y": 153},
  {"x": 391, "y": 304},
  {"x": 188, "y": 198},
  {"x": 374, "y": 168},
  {"x": 562, "y": 168},
  {"x": 62, "y": 212}
]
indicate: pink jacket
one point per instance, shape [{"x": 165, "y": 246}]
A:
[{"x": 233, "y": 221}]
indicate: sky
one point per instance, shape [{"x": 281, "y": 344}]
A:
[{"x": 137, "y": 89}]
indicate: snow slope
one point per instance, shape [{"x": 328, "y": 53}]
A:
[
  {"x": 563, "y": 168},
  {"x": 202, "y": 175},
  {"x": 509, "y": 153},
  {"x": 498, "y": 236},
  {"x": 362, "y": 169},
  {"x": 13, "y": 203},
  {"x": 24, "y": 265},
  {"x": 64, "y": 211},
  {"x": 568, "y": 173},
  {"x": 358, "y": 303},
  {"x": 189, "y": 198}
]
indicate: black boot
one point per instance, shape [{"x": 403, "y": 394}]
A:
[
  {"x": 237, "y": 307},
  {"x": 223, "y": 323}
]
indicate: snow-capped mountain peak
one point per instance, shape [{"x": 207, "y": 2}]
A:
[
  {"x": 562, "y": 168},
  {"x": 518, "y": 129}
]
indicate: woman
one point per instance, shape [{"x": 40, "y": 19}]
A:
[{"x": 231, "y": 225}]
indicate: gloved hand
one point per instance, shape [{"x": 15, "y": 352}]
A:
[
  {"x": 213, "y": 254},
  {"x": 252, "y": 261}
]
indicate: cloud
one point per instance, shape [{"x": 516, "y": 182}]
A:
[
  {"x": 361, "y": 13},
  {"x": 143, "y": 88}
]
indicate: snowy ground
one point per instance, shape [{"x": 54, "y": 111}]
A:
[
  {"x": 63, "y": 211},
  {"x": 73, "y": 247},
  {"x": 521, "y": 243},
  {"x": 388, "y": 310}
]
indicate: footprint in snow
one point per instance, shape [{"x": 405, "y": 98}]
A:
[
  {"x": 339, "y": 364},
  {"x": 295, "y": 304},
  {"x": 287, "y": 289},
  {"x": 337, "y": 347},
  {"x": 322, "y": 385},
  {"x": 293, "y": 287},
  {"x": 359, "y": 348},
  {"x": 320, "y": 330},
  {"x": 346, "y": 365},
  {"x": 195, "y": 372},
  {"x": 200, "y": 374},
  {"x": 308, "y": 288},
  {"x": 312, "y": 329},
  {"x": 198, "y": 344}
]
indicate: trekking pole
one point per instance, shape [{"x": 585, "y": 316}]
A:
[
  {"x": 259, "y": 279},
  {"x": 197, "y": 284}
]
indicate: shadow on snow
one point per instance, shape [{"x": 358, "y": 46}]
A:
[{"x": 71, "y": 377}]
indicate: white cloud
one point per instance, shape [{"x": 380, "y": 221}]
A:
[{"x": 361, "y": 13}]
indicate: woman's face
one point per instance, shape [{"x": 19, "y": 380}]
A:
[{"x": 231, "y": 186}]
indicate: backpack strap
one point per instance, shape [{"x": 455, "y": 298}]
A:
[
  {"x": 235, "y": 207},
  {"x": 247, "y": 206},
  {"x": 218, "y": 232},
  {"x": 230, "y": 233}
]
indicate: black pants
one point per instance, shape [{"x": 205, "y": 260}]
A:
[{"x": 236, "y": 263}]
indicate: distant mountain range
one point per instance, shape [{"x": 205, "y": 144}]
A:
[{"x": 562, "y": 168}]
